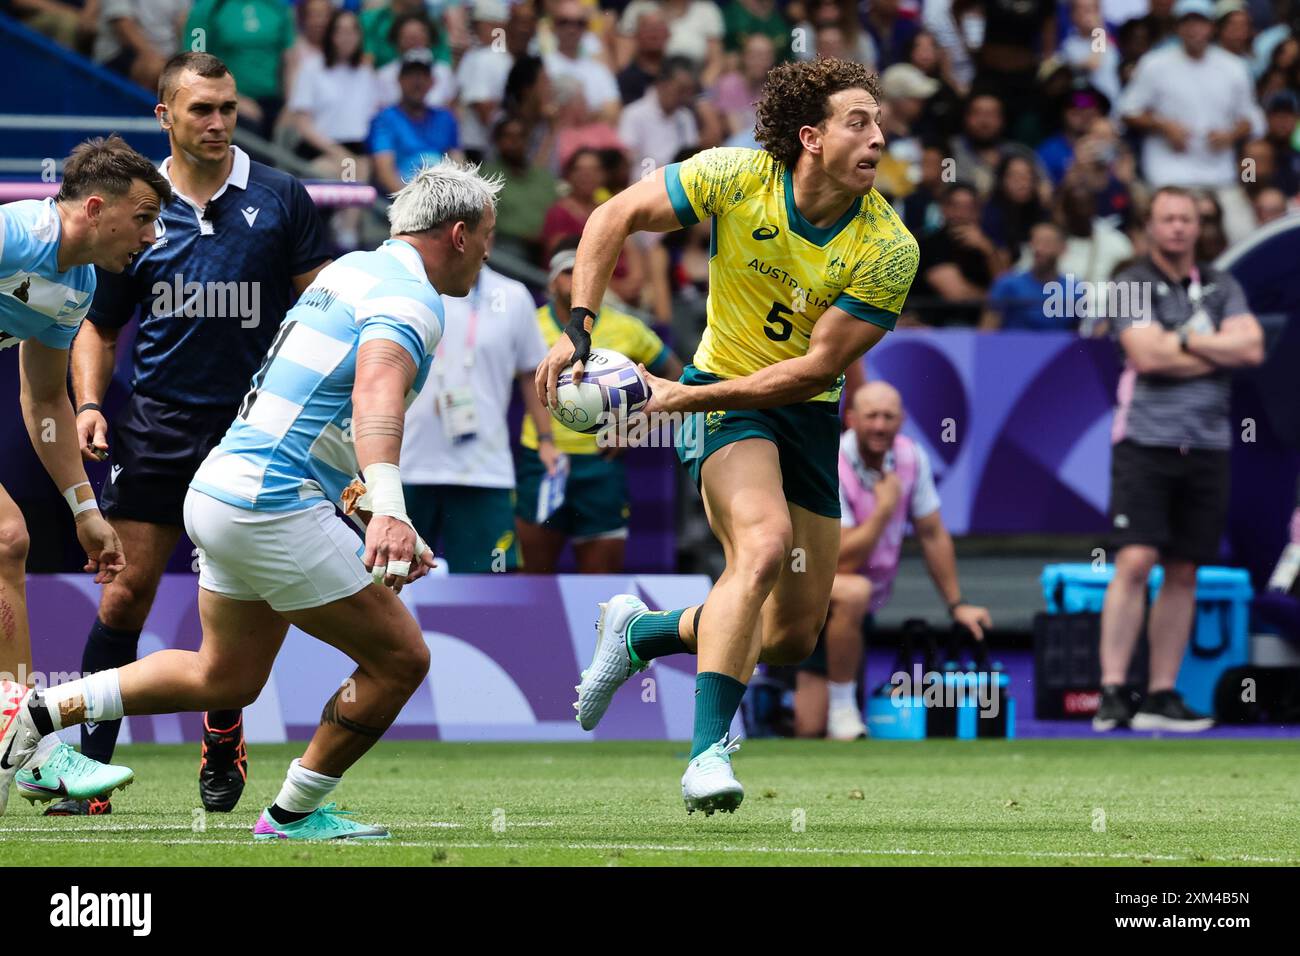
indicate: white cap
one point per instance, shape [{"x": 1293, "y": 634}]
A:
[
  {"x": 493, "y": 11},
  {"x": 903, "y": 81}
]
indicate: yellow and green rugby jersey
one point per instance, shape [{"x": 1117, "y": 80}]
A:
[
  {"x": 771, "y": 272},
  {"x": 612, "y": 330}
]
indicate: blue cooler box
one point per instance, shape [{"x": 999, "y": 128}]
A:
[
  {"x": 1081, "y": 588},
  {"x": 887, "y": 720},
  {"x": 1220, "y": 636}
]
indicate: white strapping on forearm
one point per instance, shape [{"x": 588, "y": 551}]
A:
[
  {"x": 80, "y": 497},
  {"x": 384, "y": 490}
]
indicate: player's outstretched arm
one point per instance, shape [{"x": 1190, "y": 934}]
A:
[
  {"x": 385, "y": 372},
  {"x": 838, "y": 340},
  {"x": 52, "y": 427},
  {"x": 642, "y": 207}
]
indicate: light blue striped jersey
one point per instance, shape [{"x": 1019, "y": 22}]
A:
[
  {"x": 37, "y": 301},
  {"x": 291, "y": 442}
]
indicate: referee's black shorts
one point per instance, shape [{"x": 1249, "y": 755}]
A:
[
  {"x": 1171, "y": 499},
  {"x": 154, "y": 450}
]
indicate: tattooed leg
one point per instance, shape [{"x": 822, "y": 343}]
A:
[{"x": 379, "y": 634}]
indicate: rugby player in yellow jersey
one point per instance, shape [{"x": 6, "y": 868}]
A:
[{"x": 810, "y": 267}]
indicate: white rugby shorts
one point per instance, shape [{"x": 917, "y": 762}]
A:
[{"x": 290, "y": 559}]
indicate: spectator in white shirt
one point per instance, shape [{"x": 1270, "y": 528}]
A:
[
  {"x": 1090, "y": 50},
  {"x": 1093, "y": 247},
  {"x": 456, "y": 460},
  {"x": 482, "y": 74},
  {"x": 415, "y": 32},
  {"x": 597, "y": 82},
  {"x": 660, "y": 124},
  {"x": 695, "y": 31},
  {"x": 333, "y": 101},
  {"x": 1195, "y": 104},
  {"x": 136, "y": 38},
  {"x": 330, "y": 106},
  {"x": 313, "y": 20}
]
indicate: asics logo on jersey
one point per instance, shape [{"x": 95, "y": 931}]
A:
[
  {"x": 766, "y": 232},
  {"x": 250, "y": 215},
  {"x": 20, "y": 293}
]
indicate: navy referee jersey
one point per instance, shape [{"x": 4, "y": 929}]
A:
[{"x": 215, "y": 286}]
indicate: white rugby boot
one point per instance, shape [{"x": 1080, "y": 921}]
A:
[
  {"x": 612, "y": 663},
  {"x": 18, "y": 736},
  {"x": 709, "y": 783}
]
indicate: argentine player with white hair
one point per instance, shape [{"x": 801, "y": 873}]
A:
[{"x": 327, "y": 404}]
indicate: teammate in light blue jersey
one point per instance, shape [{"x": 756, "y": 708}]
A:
[
  {"x": 328, "y": 402},
  {"x": 102, "y": 216}
]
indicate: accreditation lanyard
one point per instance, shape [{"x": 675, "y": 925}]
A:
[
  {"x": 1194, "y": 289},
  {"x": 471, "y": 336}
]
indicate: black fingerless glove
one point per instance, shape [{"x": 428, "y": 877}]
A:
[{"x": 579, "y": 333}]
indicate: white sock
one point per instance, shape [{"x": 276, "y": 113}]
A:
[
  {"x": 844, "y": 694},
  {"x": 49, "y": 743},
  {"x": 304, "y": 790},
  {"x": 97, "y": 697}
]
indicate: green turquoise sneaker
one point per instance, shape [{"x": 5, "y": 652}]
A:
[
  {"x": 324, "y": 823},
  {"x": 67, "y": 774}
]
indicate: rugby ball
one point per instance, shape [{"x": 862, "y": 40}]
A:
[{"x": 612, "y": 387}]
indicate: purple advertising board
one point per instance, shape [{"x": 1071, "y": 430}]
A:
[
  {"x": 506, "y": 652},
  {"x": 1017, "y": 424}
]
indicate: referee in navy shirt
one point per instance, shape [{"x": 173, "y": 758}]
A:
[{"x": 236, "y": 245}]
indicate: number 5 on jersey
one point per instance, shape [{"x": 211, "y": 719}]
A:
[{"x": 778, "y": 327}]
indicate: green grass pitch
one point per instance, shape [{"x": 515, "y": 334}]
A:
[{"x": 1036, "y": 802}]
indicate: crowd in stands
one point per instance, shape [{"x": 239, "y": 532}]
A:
[{"x": 1024, "y": 137}]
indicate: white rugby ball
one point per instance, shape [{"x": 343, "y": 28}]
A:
[{"x": 611, "y": 386}]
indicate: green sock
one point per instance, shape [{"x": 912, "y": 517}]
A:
[
  {"x": 654, "y": 634},
  {"x": 717, "y": 698}
]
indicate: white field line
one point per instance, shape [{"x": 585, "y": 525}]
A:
[{"x": 667, "y": 848}]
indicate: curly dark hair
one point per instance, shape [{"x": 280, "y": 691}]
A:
[{"x": 798, "y": 95}]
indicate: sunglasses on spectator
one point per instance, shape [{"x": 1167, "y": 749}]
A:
[{"x": 572, "y": 22}]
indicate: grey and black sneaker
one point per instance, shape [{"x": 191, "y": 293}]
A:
[
  {"x": 1115, "y": 709},
  {"x": 1165, "y": 710}
]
